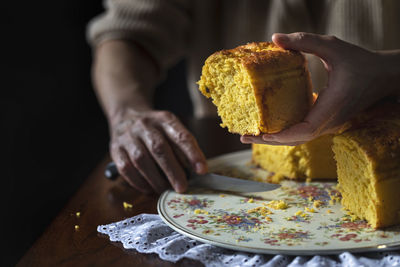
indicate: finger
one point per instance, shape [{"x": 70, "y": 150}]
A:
[
  {"x": 185, "y": 142},
  {"x": 323, "y": 46},
  {"x": 162, "y": 153},
  {"x": 323, "y": 118},
  {"x": 246, "y": 139},
  {"x": 128, "y": 171},
  {"x": 143, "y": 162}
]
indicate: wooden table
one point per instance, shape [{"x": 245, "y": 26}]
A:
[{"x": 99, "y": 201}]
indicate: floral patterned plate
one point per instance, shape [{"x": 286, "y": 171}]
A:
[{"x": 299, "y": 218}]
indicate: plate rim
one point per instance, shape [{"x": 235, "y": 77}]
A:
[{"x": 294, "y": 252}]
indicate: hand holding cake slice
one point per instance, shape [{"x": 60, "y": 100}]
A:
[{"x": 257, "y": 88}]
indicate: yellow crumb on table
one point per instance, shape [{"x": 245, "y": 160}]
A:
[
  {"x": 222, "y": 195},
  {"x": 78, "y": 214},
  {"x": 200, "y": 211},
  {"x": 251, "y": 200},
  {"x": 76, "y": 227},
  {"x": 329, "y": 211},
  {"x": 127, "y": 205},
  {"x": 278, "y": 204}
]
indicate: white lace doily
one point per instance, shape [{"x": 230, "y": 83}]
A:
[{"x": 147, "y": 233}]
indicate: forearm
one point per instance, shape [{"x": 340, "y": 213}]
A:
[{"x": 124, "y": 77}]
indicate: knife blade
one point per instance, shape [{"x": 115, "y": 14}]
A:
[
  {"x": 211, "y": 181},
  {"x": 226, "y": 183}
]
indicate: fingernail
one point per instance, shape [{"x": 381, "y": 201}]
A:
[
  {"x": 180, "y": 188},
  {"x": 245, "y": 140},
  {"x": 280, "y": 38},
  {"x": 267, "y": 137},
  {"x": 200, "y": 167}
]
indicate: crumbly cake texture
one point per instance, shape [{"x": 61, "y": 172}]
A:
[
  {"x": 368, "y": 167},
  {"x": 257, "y": 88},
  {"x": 365, "y": 158},
  {"x": 312, "y": 160}
]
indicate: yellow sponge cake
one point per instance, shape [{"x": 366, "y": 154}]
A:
[
  {"x": 311, "y": 160},
  {"x": 257, "y": 88},
  {"x": 368, "y": 166}
]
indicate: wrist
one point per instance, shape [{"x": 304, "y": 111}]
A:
[{"x": 123, "y": 110}]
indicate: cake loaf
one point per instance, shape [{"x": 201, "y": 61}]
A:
[
  {"x": 368, "y": 166},
  {"x": 311, "y": 160},
  {"x": 257, "y": 88}
]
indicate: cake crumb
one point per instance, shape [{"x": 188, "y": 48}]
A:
[
  {"x": 261, "y": 210},
  {"x": 222, "y": 195},
  {"x": 250, "y": 200},
  {"x": 200, "y": 211},
  {"x": 353, "y": 218},
  {"x": 312, "y": 210},
  {"x": 329, "y": 211},
  {"x": 268, "y": 219},
  {"x": 278, "y": 204},
  {"x": 298, "y": 213},
  {"x": 76, "y": 227},
  {"x": 318, "y": 203},
  {"x": 78, "y": 214},
  {"x": 127, "y": 205},
  {"x": 276, "y": 178}
]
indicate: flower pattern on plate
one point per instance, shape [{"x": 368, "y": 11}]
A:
[{"x": 313, "y": 220}]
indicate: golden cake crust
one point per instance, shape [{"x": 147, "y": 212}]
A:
[
  {"x": 377, "y": 132},
  {"x": 278, "y": 79},
  {"x": 368, "y": 164}
]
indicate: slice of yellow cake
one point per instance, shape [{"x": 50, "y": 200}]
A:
[
  {"x": 257, "y": 88},
  {"x": 312, "y": 160},
  {"x": 368, "y": 167}
]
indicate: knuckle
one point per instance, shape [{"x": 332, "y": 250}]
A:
[
  {"x": 157, "y": 147},
  {"x": 137, "y": 156},
  {"x": 313, "y": 133},
  {"x": 331, "y": 38},
  {"x": 141, "y": 122},
  {"x": 114, "y": 146},
  {"x": 302, "y": 36},
  {"x": 184, "y": 137},
  {"x": 166, "y": 115},
  {"x": 123, "y": 168}
]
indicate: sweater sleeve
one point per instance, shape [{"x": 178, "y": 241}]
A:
[{"x": 161, "y": 27}]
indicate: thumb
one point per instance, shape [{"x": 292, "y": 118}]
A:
[{"x": 323, "y": 46}]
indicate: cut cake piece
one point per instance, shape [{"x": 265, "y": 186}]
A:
[
  {"x": 312, "y": 160},
  {"x": 257, "y": 88},
  {"x": 368, "y": 167}
]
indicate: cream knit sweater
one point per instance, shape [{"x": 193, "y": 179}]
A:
[{"x": 172, "y": 29}]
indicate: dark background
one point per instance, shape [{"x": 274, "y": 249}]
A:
[{"x": 53, "y": 130}]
